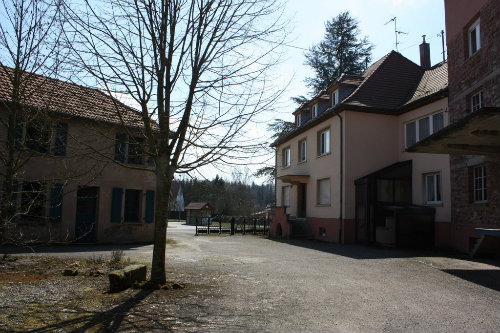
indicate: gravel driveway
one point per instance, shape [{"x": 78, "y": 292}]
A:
[{"x": 299, "y": 286}]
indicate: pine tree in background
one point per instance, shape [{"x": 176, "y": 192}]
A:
[{"x": 341, "y": 51}]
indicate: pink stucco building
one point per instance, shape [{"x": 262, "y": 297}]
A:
[
  {"x": 343, "y": 174},
  {"x": 87, "y": 175}
]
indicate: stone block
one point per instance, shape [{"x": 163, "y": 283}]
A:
[{"x": 124, "y": 278}]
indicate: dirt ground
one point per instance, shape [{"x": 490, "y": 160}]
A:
[{"x": 253, "y": 284}]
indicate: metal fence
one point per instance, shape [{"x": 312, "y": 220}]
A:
[{"x": 232, "y": 225}]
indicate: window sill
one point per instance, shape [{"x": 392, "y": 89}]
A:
[
  {"x": 480, "y": 203},
  {"x": 434, "y": 204},
  {"x": 302, "y": 162},
  {"x": 286, "y": 167},
  {"x": 323, "y": 205},
  {"x": 472, "y": 56},
  {"x": 325, "y": 154}
]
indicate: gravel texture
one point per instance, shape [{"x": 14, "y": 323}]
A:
[{"x": 253, "y": 284}]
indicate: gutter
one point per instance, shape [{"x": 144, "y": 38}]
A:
[{"x": 341, "y": 196}]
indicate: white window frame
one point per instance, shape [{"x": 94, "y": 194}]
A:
[
  {"x": 335, "y": 97},
  {"x": 476, "y": 101},
  {"x": 479, "y": 184},
  {"x": 287, "y": 154},
  {"x": 320, "y": 201},
  {"x": 432, "y": 130},
  {"x": 475, "y": 29},
  {"x": 302, "y": 150},
  {"x": 436, "y": 188},
  {"x": 324, "y": 145},
  {"x": 314, "y": 109}
]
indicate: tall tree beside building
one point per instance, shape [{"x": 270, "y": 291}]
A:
[
  {"x": 198, "y": 70},
  {"x": 341, "y": 51}
]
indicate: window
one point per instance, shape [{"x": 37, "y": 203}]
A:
[
  {"x": 286, "y": 157},
  {"x": 285, "y": 196},
  {"x": 421, "y": 128},
  {"x": 132, "y": 211},
  {"x": 56, "y": 202},
  {"x": 135, "y": 152},
  {"x": 476, "y": 101},
  {"x": 323, "y": 194},
  {"x": 33, "y": 201},
  {"x": 324, "y": 142},
  {"x": 37, "y": 136},
  {"x": 335, "y": 97},
  {"x": 479, "y": 183},
  {"x": 432, "y": 188},
  {"x": 302, "y": 150},
  {"x": 474, "y": 38},
  {"x": 315, "y": 110}
]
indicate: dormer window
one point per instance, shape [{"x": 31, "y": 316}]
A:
[
  {"x": 335, "y": 97},
  {"x": 315, "y": 110}
]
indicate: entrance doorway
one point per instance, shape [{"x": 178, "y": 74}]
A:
[
  {"x": 86, "y": 214},
  {"x": 301, "y": 200}
]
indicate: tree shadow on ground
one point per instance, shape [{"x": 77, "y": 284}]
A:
[{"x": 119, "y": 317}]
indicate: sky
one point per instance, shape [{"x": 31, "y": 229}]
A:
[{"x": 307, "y": 20}]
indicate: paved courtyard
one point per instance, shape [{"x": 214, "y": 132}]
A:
[{"x": 267, "y": 285}]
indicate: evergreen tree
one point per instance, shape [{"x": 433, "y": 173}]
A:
[{"x": 341, "y": 51}]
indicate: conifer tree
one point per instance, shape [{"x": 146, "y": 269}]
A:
[{"x": 341, "y": 51}]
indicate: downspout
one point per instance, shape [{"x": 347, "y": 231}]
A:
[{"x": 341, "y": 196}]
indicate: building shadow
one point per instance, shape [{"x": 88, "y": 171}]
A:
[
  {"x": 489, "y": 278},
  {"x": 72, "y": 248}
]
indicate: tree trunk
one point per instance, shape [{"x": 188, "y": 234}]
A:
[{"x": 163, "y": 184}]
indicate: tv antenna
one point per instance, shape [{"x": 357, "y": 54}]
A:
[
  {"x": 396, "y": 31},
  {"x": 442, "y": 44}
]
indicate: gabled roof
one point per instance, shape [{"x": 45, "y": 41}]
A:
[
  {"x": 44, "y": 93},
  {"x": 199, "y": 206},
  {"x": 391, "y": 85},
  {"x": 388, "y": 85}
]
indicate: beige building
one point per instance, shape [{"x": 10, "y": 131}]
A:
[
  {"x": 87, "y": 176},
  {"x": 343, "y": 174}
]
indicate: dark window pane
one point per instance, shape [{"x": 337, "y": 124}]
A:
[
  {"x": 132, "y": 205},
  {"x": 135, "y": 151},
  {"x": 437, "y": 122}
]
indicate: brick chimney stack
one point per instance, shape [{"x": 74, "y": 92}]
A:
[{"x": 425, "y": 55}]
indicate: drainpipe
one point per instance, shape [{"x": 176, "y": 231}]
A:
[{"x": 341, "y": 196}]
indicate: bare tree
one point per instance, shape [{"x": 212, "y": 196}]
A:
[
  {"x": 198, "y": 71},
  {"x": 28, "y": 45}
]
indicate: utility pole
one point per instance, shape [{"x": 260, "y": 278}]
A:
[{"x": 396, "y": 31}]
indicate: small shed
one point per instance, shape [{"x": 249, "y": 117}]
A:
[{"x": 198, "y": 213}]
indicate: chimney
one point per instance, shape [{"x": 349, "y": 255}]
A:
[{"x": 425, "y": 55}]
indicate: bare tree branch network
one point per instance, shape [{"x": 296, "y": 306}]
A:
[{"x": 198, "y": 71}]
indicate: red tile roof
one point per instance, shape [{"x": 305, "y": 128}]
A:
[{"x": 70, "y": 99}]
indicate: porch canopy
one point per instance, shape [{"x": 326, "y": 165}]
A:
[
  {"x": 476, "y": 134},
  {"x": 294, "y": 179}
]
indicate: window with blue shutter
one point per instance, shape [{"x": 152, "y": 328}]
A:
[
  {"x": 61, "y": 139},
  {"x": 56, "y": 201},
  {"x": 120, "y": 145},
  {"x": 150, "y": 206},
  {"x": 116, "y": 205}
]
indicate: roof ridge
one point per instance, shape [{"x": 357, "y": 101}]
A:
[{"x": 380, "y": 62}]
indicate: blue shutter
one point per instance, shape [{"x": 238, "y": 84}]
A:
[
  {"x": 150, "y": 206},
  {"x": 116, "y": 205},
  {"x": 120, "y": 145},
  {"x": 61, "y": 139},
  {"x": 56, "y": 200},
  {"x": 151, "y": 161}
]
